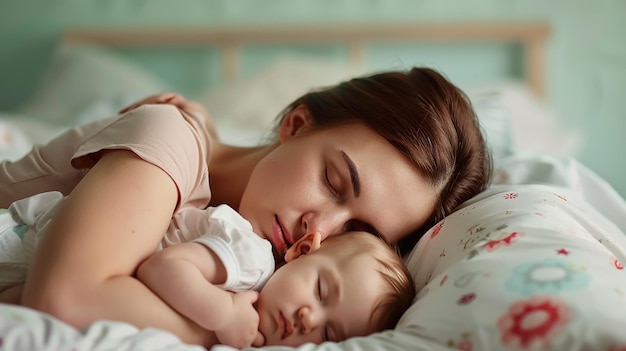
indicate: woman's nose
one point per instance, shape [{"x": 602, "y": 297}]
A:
[
  {"x": 327, "y": 223},
  {"x": 308, "y": 320},
  {"x": 307, "y": 222}
]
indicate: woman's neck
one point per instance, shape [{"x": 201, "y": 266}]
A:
[{"x": 230, "y": 168}]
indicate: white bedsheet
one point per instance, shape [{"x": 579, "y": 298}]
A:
[{"x": 28, "y": 330}]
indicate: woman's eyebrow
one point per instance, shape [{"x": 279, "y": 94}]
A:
[{"x": 354, "y": 175}]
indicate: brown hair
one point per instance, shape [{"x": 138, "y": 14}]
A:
[
  {"x": 400, "y": 291},
  {"x": 423, "y": 115}
]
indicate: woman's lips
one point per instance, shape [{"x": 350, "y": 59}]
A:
[
  {"x": 278, "y": 237},
  {"x": 286, "y": 233}
]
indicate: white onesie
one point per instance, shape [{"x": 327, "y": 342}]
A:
[{"x": 247, "y": 257}]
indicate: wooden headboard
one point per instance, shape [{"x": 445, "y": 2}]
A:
[{"x": 230, "y": 40}]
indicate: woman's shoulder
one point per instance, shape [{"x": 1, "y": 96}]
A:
[
  {"x": 177, "y": 142},
  {"x": 162, "y": 130}
]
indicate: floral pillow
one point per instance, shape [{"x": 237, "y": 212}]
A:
[{"x": 521, "y": 267}]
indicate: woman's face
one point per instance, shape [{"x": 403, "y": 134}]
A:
[{"x": 342, "y": 178}]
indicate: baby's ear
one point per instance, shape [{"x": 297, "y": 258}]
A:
[{"x": 308, "y": 244}]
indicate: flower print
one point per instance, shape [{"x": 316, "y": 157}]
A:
[
  {"x": 562, "y": 251},
  {"x": 474, "y": 237},
  {"x": 443, "y": 280},
  {"x": 510, "y": 196},
  {"x": 533, "y": 323},
  {"x": 436, "y": 230},
  {"x": 549, "y": 276},
  {"x": 504, "y": 239},
  {"x": 465, "y": 344},
  {"x": 472, "y": 228},
  {"x": 466, "y": 299},
  {"x": 502, "y": 226}
]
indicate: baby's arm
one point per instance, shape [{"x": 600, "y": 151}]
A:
[{"x": 184, "y": 276}]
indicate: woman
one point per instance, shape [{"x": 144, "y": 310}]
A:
[{"x": 388, "y": 154}]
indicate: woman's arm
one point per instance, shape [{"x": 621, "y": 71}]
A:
[
  {"x": 111, "y": 222},
  {"x": 184, "y": 276}
]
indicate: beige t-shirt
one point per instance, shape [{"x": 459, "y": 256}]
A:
[{"x": 179, "y": 143}]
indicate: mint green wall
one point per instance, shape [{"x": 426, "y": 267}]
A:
[{"x": 586, "y": 57}]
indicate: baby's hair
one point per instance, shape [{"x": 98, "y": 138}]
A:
[{"x": 400, "y": 291}]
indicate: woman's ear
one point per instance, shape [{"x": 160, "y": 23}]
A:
[
  {"x": 296, "y": 121},
  {"x": 308, "y": 244}
]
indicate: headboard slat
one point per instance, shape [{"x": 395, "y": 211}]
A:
[{"x": 532, "y": 36}]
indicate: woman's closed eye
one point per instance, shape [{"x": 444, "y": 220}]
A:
[
  {"x": 329, "y": 184},
  {"x": 331, "y": 181}
]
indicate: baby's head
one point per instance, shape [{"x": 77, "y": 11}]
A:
[{"x": 352, "y": 284}]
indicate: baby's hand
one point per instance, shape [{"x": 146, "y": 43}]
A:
[{"x": 243, "y": 327}]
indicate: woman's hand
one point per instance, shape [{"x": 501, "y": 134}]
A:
[{"x": 171, "y": 99}]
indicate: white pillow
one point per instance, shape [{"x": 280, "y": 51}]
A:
[
  {"x": 244, "y": 111},
  {"x": 79, "y": 77},
  {"x": 533, "y": 126},
  {"x": 495, "y": 122}
]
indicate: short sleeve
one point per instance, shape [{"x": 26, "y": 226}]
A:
[
  {"x": 247, "y": 257},
  {"x": 176, "y": 142}
]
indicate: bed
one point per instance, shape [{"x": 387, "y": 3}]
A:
[{"x": 534, "y": 263}]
